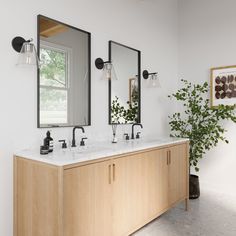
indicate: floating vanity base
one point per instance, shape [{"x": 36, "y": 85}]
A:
[{"x": 111, "y": 196}]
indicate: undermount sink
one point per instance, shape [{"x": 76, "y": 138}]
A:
[
  {"x": 89, "y": 149},
  {"x": 144, "y": 140},
  {"x": 109, "y": 147}
]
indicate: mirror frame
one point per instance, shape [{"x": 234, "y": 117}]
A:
[
  {"x": 38, "y": 74},
  {"x": 139, "y": 82}
]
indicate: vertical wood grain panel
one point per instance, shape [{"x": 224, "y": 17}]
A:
[
  {"x": 36, "y": 199},
  {"x": 177, "y": 174},
  {"x": 87, "y": 200}
]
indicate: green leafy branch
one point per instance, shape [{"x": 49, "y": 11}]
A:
[{"x": 119, "y": 114}]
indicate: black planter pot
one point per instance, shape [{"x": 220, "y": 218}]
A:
[{"x": 194, "y": 188}]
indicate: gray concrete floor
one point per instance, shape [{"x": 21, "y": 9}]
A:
[{"x": 213, "y": 214}]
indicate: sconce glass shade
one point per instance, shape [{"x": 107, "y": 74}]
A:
[
  {"x": 154, "y": 81},
  {"x": 109, "y": 72},
  {"x": 28, "y": 55}
]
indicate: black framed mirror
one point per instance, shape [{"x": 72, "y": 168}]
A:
[
  {"x": 64, "y": 76},
  {"x": 125, "y": 89}
]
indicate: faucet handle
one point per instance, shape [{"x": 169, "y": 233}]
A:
[
  {"x": 138, "y": 135},
  {"x": 82, "y": 143},
  {"x": 126, "y": 136},
  {"x": 63, "y": 141}
]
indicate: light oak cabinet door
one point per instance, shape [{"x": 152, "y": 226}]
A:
[
  {"x": 128, "y": 194},
  {"x": 140, "y": 190},
  {"x": 37, "y": 199},
  {"x": 177, "y": 173},
  {"x": 156, "y": 186},
  {"x": 87, "y": 200}
]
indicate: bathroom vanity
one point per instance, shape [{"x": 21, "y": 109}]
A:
[{"x": 104, "y": 190}]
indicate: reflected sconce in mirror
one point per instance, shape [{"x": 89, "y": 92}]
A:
[
  {"x": 107, "y": 67},
  {"x": 153, "y": 78},
  {"x": 26, "y": 50}
]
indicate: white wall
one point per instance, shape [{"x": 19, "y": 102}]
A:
[
  {"x": 207, "y": 39},
  {"x": 150, "y": 26}
]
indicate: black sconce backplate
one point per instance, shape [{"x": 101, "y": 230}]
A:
[
  {"x": 145, "y": 74},
  {"x": 17, "y": 43},
  {"x": 99, "y": 63}
]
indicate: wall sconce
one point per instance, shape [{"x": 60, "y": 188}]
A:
[
  {"x": 107, "y": 67},
  {"x": 153, "y": 78},
  {"x": 26, "y": 50}
]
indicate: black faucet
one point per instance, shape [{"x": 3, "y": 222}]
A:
[
  {"x": 132, "y": 135},
  {"x": 73, "y": 138}
]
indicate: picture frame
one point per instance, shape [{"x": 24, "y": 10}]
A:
[
  {"x": 133, "y": 88},
  {"x": 223, "y": 86}
]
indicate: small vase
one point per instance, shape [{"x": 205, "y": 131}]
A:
[
  {"x": 194, "y": 188},
  {"x": 114, "y": 127},
  {"x": 114, "y": 140}
]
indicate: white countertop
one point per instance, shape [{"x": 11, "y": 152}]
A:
[{"x": 62, "y": 157}]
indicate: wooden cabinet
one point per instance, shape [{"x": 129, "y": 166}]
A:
[{"x": 112, "y": 197}]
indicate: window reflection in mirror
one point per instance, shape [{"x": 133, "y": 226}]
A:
[
  {"x": 124, "y": 93},
  {"x": 64, "y": 74}
]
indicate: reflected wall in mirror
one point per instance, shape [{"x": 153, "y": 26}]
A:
[
  {"x": 124, "y": 93},
  {"x": 64, "y": 74}
]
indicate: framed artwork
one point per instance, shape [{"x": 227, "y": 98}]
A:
[
  {"x": 133, "y": 90},
  {"x": 223, "y": 86}
]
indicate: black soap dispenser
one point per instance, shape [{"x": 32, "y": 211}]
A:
[{"x": 48, "y": 141}]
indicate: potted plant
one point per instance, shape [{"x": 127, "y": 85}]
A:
[{"x": 200, "y": 123}]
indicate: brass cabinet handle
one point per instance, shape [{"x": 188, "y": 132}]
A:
[
  {"x": 109, "y": 174},
  {"x": 114, "y": 172},
  {"x": 167, "y": 157}
]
